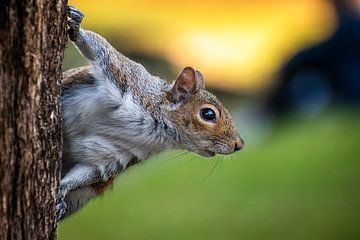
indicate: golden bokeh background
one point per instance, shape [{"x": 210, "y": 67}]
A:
[{"x": 238, "y": 45}]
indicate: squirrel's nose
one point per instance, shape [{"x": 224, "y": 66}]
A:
[{"x": 239, "y": 144}]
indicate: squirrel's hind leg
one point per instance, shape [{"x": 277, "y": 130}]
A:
[{"x": 76, "y": 199}]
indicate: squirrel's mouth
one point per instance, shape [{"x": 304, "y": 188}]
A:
[{"x": 207, "y": 153}]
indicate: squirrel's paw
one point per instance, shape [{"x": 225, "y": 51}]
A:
[
  {"x": 74, "y": 22},
  {"x": 60, "y": 208}
]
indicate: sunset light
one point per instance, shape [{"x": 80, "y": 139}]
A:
[{"x": 238, "y": 45}]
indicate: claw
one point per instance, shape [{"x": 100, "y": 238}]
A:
[
  {"x": 75, "y": 14},
  {"x": 60, "y": 209},
  {"x": 60, "y": 203},
  {"x": 74, "y": 22}
]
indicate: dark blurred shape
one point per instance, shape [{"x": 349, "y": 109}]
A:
[{"x": 325, "y": 74}]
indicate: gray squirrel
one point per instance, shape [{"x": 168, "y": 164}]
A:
[{"x": 116, "y": 114}]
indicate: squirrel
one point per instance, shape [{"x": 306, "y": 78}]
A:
[{"x": 116, "y": 114}]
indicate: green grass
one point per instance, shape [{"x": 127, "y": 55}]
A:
[{"x": 300, "y": 183}]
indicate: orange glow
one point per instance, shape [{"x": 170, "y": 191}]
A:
[{"x": 236, "y": 44}]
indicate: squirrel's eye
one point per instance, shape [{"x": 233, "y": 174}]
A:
[{"x": 208, "y": 114}]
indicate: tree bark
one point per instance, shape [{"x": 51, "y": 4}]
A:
[{"x": 32, "y": 41}]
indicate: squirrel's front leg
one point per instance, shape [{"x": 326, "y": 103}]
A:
[
  {"x": 90, "y": 44},
  {"x": 95, "y": 48},
  {"x": 79, "y": 176}
]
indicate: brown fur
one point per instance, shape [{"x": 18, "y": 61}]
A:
[
  {"x": 101, "y": 187},
  {"x": 72, "y": 77},
  {"x": 187, "y": 116}
]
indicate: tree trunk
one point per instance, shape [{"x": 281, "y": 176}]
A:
[{"x": 32, "y": 41}]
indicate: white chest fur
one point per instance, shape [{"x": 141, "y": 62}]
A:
[{"x": 107, "y": 128}]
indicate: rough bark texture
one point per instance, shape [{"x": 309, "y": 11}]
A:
[{"x": 32, "y": 40}]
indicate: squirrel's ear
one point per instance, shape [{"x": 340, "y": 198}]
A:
[
  {"x": 200, "y": 80},
  {"x": 187, "y": 82}
]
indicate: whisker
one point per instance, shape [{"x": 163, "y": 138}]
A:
[
  {"x": 192, "y": 157},
  {"x": 173, "y": 156},
  {"x": 185, "y": 161},
  {"x": 221, "y": 162},
  {"x": 216, "y": 163}
]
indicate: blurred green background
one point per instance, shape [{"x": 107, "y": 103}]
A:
[
  {"x": 298, "y": 176},
  {"x": 301, "y": 183}
]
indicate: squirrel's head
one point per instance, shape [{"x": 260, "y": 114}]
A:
[{"x": 205, "y": 126}]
